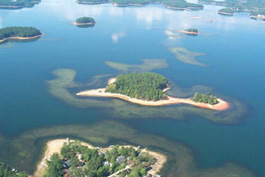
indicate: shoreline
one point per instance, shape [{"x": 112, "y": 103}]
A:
[
  {"x": 187, "y": 32},
  {"x": 220, "y": 106},
  {"x": 83, "y": 24},
  {"x": 226, "y": 13},
  {"x": 20, "y": 38},
  {"x": 55, "y": 146}
]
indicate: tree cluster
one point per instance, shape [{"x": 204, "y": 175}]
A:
[
  {"x": 6, "y": 171},
  {"x": 193, "y": 30},
  {"x": 18, "y": 32},
  {"x": 85, "y": 20},
  {"x": 18, "y": 3},
  {"x": 205, "y": 98},
  {"x": 145, "y": 86}
]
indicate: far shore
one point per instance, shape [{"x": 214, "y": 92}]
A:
[
  {"x": 20, "y": 38},
  {"x": 55, "y": 146},
  {"x": 83, "y": 24},
  {"x": 188, "y": 32},
  {"x": 226, "y": 13},
  {"x": 220, "y": 106}
]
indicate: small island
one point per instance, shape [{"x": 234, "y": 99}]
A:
[
  {"x": 19, "y": 33},
  {"x": 85, "y": 21},
  {"x": 190, "y": 31},
  {"x": 64, "y": 157},
  {"x": 17, "y": 4},
  {"x": 149, "y": 89},
  {"x": 226, "y": 11}
]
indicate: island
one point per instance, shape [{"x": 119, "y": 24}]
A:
[
  {"x": 19, "y": 33},
  {"x": 6, "y": 171},
  {"x": 148, "y": 89},
  {"x": 17, "y": 4},
  {"x": 85, "y": 21},
  {"x": 65, "y": 157},
  {"x": 226, "y": 11},
  {"x": 171, "y": 4},
  {"x": 190, "y": 31}
]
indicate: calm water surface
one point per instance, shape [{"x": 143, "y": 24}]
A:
[{"x": 233, "y": 48}]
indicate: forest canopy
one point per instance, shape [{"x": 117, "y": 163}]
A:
[
  {"x": 145, "y": 86},
  {"x": 85, "y": 20},
  {"x": 18, "y": 32},
  {"x": 6, "y": 171},
  {"x": 205, "y": 98}
]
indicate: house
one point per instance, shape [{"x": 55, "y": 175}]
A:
[{"x": 121, "y": 159}]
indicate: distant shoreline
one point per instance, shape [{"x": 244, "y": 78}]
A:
[
  {"x": 20, "y": 38},
  {"x": 83, "y": 24},
  {"x": 55, "y": 146},
  {"x": 188, "y": 32},
  {"x": 220, "y": 106}
]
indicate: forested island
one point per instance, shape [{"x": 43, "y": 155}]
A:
[
  {"x": 145, "y": 86},
  {"x": 85, "y": 21},
  {"x": 256, "y": 8},
  {"x": 81, "y": 159},
  {"x": 190, "y": 31},
  {"x": 172, "y": 4},
  {"x": 17, "y": 4},
  {"x": 19, "y": 33},
  {"x": 6, "y": 171},
  {"x": 226, "y": 11},
  {"x": 149, "y": 89}
]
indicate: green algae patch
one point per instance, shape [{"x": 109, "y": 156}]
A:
[
  {"x": 187, "y": 56},
  {"x": 25, "y": 151},
  {"x": 148, "y": 65},
  {"x": 62, "y": 85}
]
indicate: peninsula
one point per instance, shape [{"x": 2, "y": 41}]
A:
[
  {"x": 64, "y": 157},
  {"x": 84, "y": 21},
  {"x": 149, "y": 89},
  {"x": 19, "y": 33}
]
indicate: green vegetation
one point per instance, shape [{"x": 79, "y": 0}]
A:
[
  {"x": 85, "y": 20},
  {"x": 146, "y": 86},
  {"x": 175, "y": 4},
  {"x": 204, "y": 98},
  {"x": 254, "y": 7},
  {"x": 18, "y": 32},
  {"x": 6, "y": 171},
  {"x": 79, "y": 160},
  {"x": 226, "y": 11},
  {"x": 194, "y": 30},
  {"x": 16, "y": 4},
  {"x": 148, "y": 65}
]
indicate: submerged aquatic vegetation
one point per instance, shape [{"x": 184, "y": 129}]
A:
[{"x": 60, "y": 87}]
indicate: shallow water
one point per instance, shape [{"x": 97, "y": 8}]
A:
[{"x": 232, "y": 47}]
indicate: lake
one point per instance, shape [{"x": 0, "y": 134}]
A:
[{"x": 233, "y": 53}]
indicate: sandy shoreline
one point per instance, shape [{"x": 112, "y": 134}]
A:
[
  {"x": 83, "y": 24},
  {"x": 187, "y": 32},
  {"x": 226, "y": 13},
  {"x": 20, "y": 38},
  {"x": 220, "y": 106},
  {"x": 55, "y": 146}
]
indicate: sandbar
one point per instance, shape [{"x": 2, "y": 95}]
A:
[
  {"x": 83, "y": 24},
  {"x": 169, "y": 100},
  {"x": 188, "y": 32}
]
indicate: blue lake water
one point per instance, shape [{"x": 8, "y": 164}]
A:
[{"x": 234, "y": 53}]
